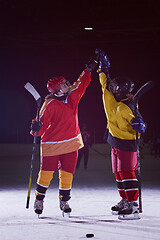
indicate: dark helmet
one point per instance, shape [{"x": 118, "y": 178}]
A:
[
  {"x": 54, "y": 84},
  {"x": 120, "y": 87}
]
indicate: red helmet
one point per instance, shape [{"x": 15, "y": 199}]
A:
[{"x": 53, "y": 84}]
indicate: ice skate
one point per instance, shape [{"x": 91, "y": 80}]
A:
[
  {"x": 119, "y": 206},
  {"x": 130, "y": 212},
  {"x": 65, "y": 208},
  {"x": 38, "y": 206}
]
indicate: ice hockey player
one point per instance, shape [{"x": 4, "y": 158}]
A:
[
  {"x": 86, "y": 136},
  {"x": 122, "y": 125},
  {"x": 60, "y": 135}
]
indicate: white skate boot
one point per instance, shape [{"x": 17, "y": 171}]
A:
[
  {"x": 38, "y": 206},
  {"x": 129, "y": 212},
  {"x": 65, "y": 208},
  {"x": 119, "y": 206}
]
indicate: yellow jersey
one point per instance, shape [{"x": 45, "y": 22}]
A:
[{"x": 119, "y": 114}]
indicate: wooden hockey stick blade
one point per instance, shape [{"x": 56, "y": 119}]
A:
[{"x": 32, "y": 91}]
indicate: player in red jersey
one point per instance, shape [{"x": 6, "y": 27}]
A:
[{"x": 60, "y": 135}]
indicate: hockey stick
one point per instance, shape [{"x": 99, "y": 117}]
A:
[
  {"x": 146, "y": 87},
  {"x": 37, "y": 97}
]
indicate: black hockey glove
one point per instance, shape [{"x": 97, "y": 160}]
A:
[
  {"x": 104, "y": 63},
  {"x": 35, "y": 126},
  {"x": 93, "y": 63}
]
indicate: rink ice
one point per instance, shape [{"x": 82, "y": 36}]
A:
[
  {"x": 91, "y": 214},
  {"x": 93, "y": 193}
]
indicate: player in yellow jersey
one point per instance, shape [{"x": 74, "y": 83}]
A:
[{"x": 122, "y": 126}]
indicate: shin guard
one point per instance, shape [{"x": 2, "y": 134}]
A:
[
  {"x": 65, "y": 184},
  {"x": 130, "y": 183},
  {"x": 44, "y": 179},
  {"x": 120, "y": 186}
]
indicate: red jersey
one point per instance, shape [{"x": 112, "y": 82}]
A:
[{"x": 60, "y": 131}]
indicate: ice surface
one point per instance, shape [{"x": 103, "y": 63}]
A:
[
  {"x": 91, "y": 214},
  {"x": 94, "y": 192}
]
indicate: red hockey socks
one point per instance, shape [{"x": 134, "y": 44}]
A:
[
  {"x": 127, "y": 184},
  {"x": 120, "y": 186}
]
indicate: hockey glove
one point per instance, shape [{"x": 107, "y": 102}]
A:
[
  {"x": 138, "y": 125},
  {"x": 93, "y": 63},
  {"x": 35, "y": 126},
  {"x": 104, "y": 62}
]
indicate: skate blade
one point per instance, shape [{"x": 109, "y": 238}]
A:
[
  {"x": 66, "y": 214},
  {"x": 114, "y": 212},
  {"x": 134, "y": 216},
  {"x": 38, "y": 215}
]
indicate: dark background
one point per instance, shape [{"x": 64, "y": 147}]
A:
[{"x": 40, "y": 39}]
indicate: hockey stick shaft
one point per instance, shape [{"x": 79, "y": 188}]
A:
[
  {"x": 145, "y": 88},
  {"x": 37, "y": 97},
  {"x": 31, "y": 169},
  {"x": 139, "y": 175}
]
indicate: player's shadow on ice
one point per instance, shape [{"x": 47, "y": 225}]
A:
[{"x": 78, "y": 219}]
